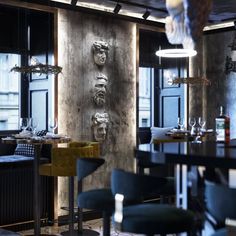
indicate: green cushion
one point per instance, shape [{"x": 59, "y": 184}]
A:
[
  {"x": 97, "y": 199},
  {"x": 156, "y": 219}
]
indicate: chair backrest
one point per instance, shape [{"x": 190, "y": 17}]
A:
[
  {"x": 220, "y": 201},
  {"x": 86, "y": 166},
  {"x": 96, "y": 146},
  {"x": 133, "y": 186},
  {"x": 64, "y": 159}
]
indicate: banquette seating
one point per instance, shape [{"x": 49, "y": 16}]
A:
[{"x": 16, "y": 187}]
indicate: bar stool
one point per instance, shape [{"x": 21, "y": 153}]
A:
[
  {"x": 95, "y": 199},
  {"x": 220, "y": 204},
  {"x": 63, "y": 163},
  {"x": 145, "y": 218}
]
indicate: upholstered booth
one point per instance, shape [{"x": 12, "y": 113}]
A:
[
  {"x": 63, "y": 163},
  {"x": 145, "y": 218},
  {"x": 16, "y": 187},
  {"x": 220, "y": 204},
  {"x": 95, "y": 199}
]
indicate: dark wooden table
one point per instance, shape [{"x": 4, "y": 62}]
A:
[{"x": 184, "y": 154}]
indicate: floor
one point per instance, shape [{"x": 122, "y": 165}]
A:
[{"x": 93, "y": 224}]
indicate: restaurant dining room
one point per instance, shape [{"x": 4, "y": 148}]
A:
[{"x": 117, "y": 117}]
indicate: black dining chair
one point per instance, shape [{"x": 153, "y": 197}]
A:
[
  {"x": 134, "y": 216},
  {"x": 95, "y": 199},
  {"x": 220, "y": 205}
]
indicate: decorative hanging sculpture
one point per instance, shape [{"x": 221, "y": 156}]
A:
[
  {"x": 186, "y": 21},
  {"x": 100, "y": 50},
  {"x": 100, "y": 90},
  {"x": 100, "y": 124}
]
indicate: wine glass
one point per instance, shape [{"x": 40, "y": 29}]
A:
[
  {"x": 24, "y": 123},
  {"x": 201, "y": 123},
  {"x": 191, "y": 123},
  {"x": 180, "y": 123},
  {"x": 52, "y": 123},
  {"x": 33, "y": 124}
]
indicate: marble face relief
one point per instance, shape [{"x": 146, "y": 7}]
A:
[
  {"x": 100, "y": 50},
  {"x": 100, "y": 123},
  {"x": 100, "y": 90}
]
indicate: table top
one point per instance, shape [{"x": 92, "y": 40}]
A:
[{"x": 207, "y": 153}]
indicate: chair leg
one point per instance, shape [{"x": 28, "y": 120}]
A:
[{"x": 106, "y": 223}]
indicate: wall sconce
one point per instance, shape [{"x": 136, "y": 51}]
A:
[
  {"x": 146, "y": 14},
  {"x": 117, "y": 8},
  {"x": 230, "y": 66}
]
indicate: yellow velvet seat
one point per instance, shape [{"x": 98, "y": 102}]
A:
[
  {"x": 63, "y": 160},
  {"x": 63, "y": 163}
]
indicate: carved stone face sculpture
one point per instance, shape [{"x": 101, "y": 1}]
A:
[
  {"x": 100, "y": 50},
  {"x": 100, "y": 122},
  {"x": 100, "y": 90}
]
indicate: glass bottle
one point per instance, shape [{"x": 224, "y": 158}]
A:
[{"x": 222, "y": 127}]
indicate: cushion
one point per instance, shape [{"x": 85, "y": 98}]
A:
[
  {"x": 24, "y": 150},
  {"x": 6, "y": 232},
  {"x": 14, "y": 158},
  {"x": 97, "y": 199},
  {"x": 220, "y": 232},
  {"x": 160, "y": 133},
  {"x": 156, "y": 219}
]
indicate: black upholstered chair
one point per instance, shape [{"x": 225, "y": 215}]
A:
[
  {"x": 220, "y": 204},
  {"x": 95, "y": 199},
  {"x": 145, "y": 218}
]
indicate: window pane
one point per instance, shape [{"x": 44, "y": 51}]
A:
[
  {"x": 9, "y": 92},
  {"x": 145, "y": 80}
]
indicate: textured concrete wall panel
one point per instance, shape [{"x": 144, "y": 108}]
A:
[{"x": 76, "y": 34}]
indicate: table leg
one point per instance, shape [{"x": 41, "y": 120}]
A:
[
  {"x": 181, "y": 186},
  {"x": 36, "y": 190}
]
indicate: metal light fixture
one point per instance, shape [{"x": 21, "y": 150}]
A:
[
  {"x": 74, "y": 2},
  {"x": 117, "y": 8},
  {"x": 176, "y": 53},
  {"x": 190, "y": 80},
  {"x": 146, "y": 14},
  {"x": 37, "y": 67}
]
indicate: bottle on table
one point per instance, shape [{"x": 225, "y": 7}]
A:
[{"x": 222, "y": 127}]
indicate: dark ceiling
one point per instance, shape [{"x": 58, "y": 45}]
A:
[{"x": 222, "y": 10}]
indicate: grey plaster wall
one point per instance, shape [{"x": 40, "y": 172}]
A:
[
  {"x": 223, "y": 87},
  {"x": 197, "y": 92},
  {"x": 76, "y": 34}
]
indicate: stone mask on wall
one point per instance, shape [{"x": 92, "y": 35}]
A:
[
  {"x": 100, "y": 50},
  {"x": 99, "y": 96},
  {"x": 100, "y": 123}
]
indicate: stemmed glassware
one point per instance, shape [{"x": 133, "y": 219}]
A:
[
  {"x": 180, "y": 123},
  {"x": 24, "y": 123},
  {"x": 52, "y": 123},
  {"x": 33, "y": 124},
  {"x": 201, "y": 123},
  {"x": 192, "y": 123}
]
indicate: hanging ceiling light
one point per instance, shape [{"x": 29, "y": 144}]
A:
[
  {"x": 190, "y": 80},
  {"x": 176, "y": 52},
  {"x": 39, "y": 68},
  {"x": 117, "y": 8}
]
